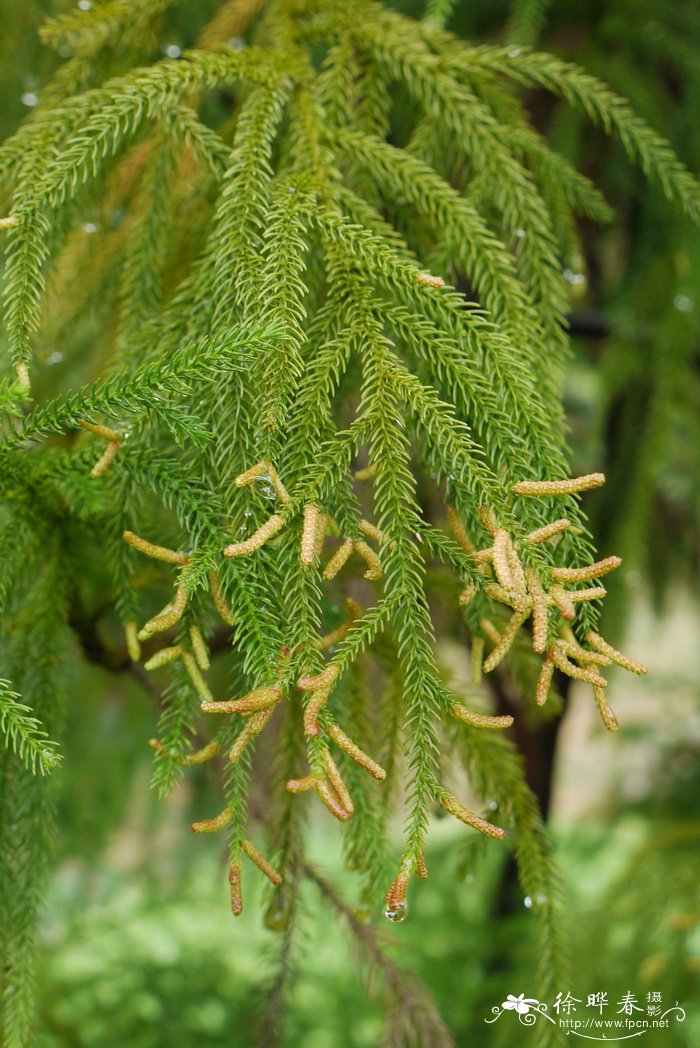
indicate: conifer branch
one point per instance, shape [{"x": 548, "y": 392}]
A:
[{"x": 24, "y": 734}]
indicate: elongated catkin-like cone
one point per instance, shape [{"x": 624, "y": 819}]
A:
[
  {"x": 219, "y": 599},
  {"x": 200, "y": 756},
  {"x": 586, "y": 573},
  {"x": 345, "y": 743},
  {"x": 468, "y": 593},
  {"x": 331, "y": 801},
  {"x": 428, "y": 280},
  {"x": 199, "y": 648},
  {"x": 22, "y": 379},
  {"x": 503, "y": 647},
  {"x": 496, "y": 592},
  {"x": 563, "y": 602},
  {"x": 490, "y": 630},
  {"x": 477, "y": 658},
  {"x": 110, "y": 435},
  {"x": 354, "y": 612},
  {"x": 169, "y": 616},
  {"x": 201, "y": 686},
  {"x": 487, "y": 519},
  {"x": 500, "y": 559},
  {"x": 262, "y": 864},
  {"x": 258, "y": 470},
  {"x": 323, "y": 679},
  {"x": 482, "y": 557},
  {"x": 317, "y": 701},
  {"x": 106, "y": 459},
  {"x": 540, "y": 617},
  {"x": 559, "y": 487},
  {"x": 601, "y": 645},
  {"x": 255, "y": 725},
  {"x": 336, "y": 635},
  {"x": 371, "y": 559},
  {"x": 263, "y": 469},
  {"x": 478, "y": 720},
  {"x": 452, "y": 805},
  {"x": 234, "y": 879},
  {"x": 579, "y": 596},
  {"x": 396, "y": 892},
  {"x": 607, "y": 716},
  {"x": 544, "y": 681},
  {"x": 309, "y": 541},
  {"x": 516, "y": 567},
  {"x": 171, "y": 556},
  {"x": 163, "y": 657},
  {"x": 133, "y": 646},
  {"x": 563, "y": 663},
  {"x": 323, "y": 522},
  {"x": 338, "y": 560},
  {"x": 459, "y": 531},
  {"x": 189, "y": 759},
  {"x": 258, "y": 699},
  {"x": 212, "y": 825},
  {"x": 549, "y": 531},
  {"x": 574, "y": 650},
  {"x": 257, "y": 539},
  {"x": 337, "y": 782},
  {"x": 370, "y": 530},
  {"x": 11, "y": 222},
  {"x": 307, "y": 782},
  {"x": 421, "y": 868}
]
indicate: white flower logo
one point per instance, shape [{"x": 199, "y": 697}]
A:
[{"x": 520, "y": 1004}]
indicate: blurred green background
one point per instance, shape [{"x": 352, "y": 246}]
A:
[{"x": 138, "y": 947}]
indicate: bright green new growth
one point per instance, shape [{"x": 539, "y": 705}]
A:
[
  {"x": 334, "y": 250},
  {"x": 24, "y": 733}
]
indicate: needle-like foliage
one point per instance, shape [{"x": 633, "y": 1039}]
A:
[{"x": 311, "y": 290}]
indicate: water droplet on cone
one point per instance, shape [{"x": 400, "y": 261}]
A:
[{"x": 396, "y": 914}]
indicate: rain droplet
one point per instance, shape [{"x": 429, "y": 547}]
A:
[
  {"x": 573, "y": 277},
  {"x": 90, "y": 227},
  {"x": 396, "y": 914},
  {"x": 236, "y": 43},
  {"x": 520, "y": 233},
  {"x": 29, "y": 98},
  {"x": 264, "y": 487},
  {"x": 84, "y": 5},
  {"x": 493, "y": 805},
  {"x": 683, "y": 304},
  {"x": 514, "y": 52},
  {"x": 54, "y": 358},
  {"x": 527, "y": 902},
  {"x": 277, "y": 916},
  {"x": 173, "y": 51}
]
